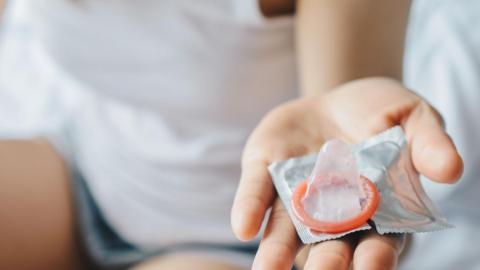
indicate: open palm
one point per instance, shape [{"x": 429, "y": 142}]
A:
[{"x": 351, "y": 112}]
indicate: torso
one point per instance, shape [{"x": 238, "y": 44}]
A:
[{"x": 164, "y": 96}]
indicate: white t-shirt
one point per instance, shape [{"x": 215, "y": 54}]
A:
[
  {"x": 442, "y": 64},
  {"x": 151, "y": 100}
]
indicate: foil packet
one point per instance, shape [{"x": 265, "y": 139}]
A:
[{"x": 384, "y": 159}]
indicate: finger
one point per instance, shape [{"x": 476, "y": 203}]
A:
[
  {"x": 254, "y": 196},
  {"x": 302, "y": 256},
  {"x": 433, "y": 152},
  {"x": 376, "y": 251},
  {"x": 331, "y": 255},
  {"x": 280, "y": 243}
]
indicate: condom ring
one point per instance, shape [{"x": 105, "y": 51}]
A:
[{"x": 369, "y": 207}]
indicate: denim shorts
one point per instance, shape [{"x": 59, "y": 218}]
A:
[{"x": 104, "y": 249}]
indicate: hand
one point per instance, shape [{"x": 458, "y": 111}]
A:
[{"x": 352, "y": 112}]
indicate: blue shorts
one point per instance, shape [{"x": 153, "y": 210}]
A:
[{"x": 106, "y": 250}]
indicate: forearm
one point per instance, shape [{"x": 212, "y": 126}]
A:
[{"x": 342, "y": 40}]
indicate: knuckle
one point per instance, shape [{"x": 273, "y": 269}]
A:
[
  {"x": 331, "y": 258},
  {"x": 279, "y": 214},
  {"x": 431, "y": 110},
  {"x": 282, "y": 249},
  {"x": 256, "y": 201},
  {"x": 252, "y": 156}
]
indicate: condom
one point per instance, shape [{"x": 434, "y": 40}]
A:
[
  {"x": 335, "y": 198},
  {"x": 371, "y": 185}
]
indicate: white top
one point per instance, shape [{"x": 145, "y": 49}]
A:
[
  {"x": 155, "y": 101},
  {"x": 152, "y": 101},
  {"x": 443, "y": 65}
]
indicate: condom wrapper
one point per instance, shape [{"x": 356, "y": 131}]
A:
[{"x": 337, "y": 189}]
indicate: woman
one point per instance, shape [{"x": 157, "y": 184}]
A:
[{"x": 138, "y": 112}]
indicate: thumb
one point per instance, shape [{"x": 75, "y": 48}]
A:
[{"x": 433, "y": 151}]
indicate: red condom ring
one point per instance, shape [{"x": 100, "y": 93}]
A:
[{"x": 371, "y": 204}]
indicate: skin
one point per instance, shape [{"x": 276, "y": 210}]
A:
[
  {"x": 343, "y": 40},
  {"x": 37, "y": 225},
  {"x": 185, "y": 262},
  {"x": 36, "y": 228},
  {"x": 337, "y": 42},
  {"x": 324, "y": 63},
  {"x": 352, "y": 112}
]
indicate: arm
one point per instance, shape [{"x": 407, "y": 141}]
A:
[
  {"x": 337, "y": 42},
  {"x": 342, "y": 40}
]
